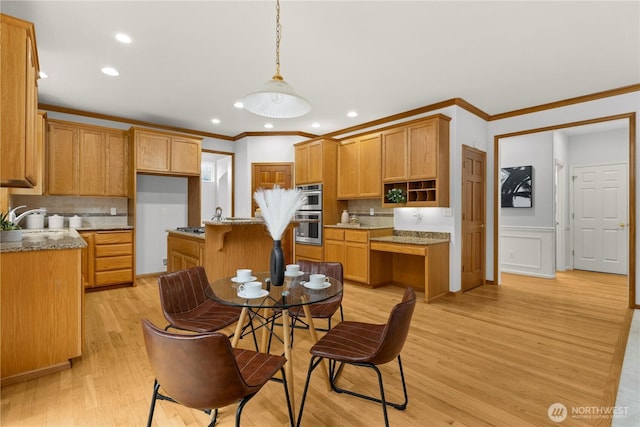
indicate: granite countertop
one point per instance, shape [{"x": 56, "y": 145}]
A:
[
  {"x": 44, "y": 240},
  {"x": 186, "y": 233},
  {"x": 358, "y": 226},
  {"x": 105, "y": 228},
  {"x": 409, "y": 240},
  {"x": 233, "y": 221}
]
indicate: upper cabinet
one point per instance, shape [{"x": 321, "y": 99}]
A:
[
  {"x": 309, "y": 161},
  {"x": 415, "y": 159},
  {"x": 41, "y": 132},
  {"x": 86, "y": 160},
  {"x": 166, "y": 153},
  {"x": 359, "y": 167},
  {"x": 19, "y": 103}
]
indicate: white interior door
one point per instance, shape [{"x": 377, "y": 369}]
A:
[{"x": 600, "y": 235}]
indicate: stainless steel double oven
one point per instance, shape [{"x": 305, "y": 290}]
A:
[{"x": 309, "y": 231}]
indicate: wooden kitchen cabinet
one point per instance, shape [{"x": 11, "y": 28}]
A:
[
  {"x": 184, "y": 252},
  {"x": 415, "y": 159},
  {"x": 108, "y": 258},
  {"x": 41, "y": 132},
  {"x": 41, "y": 299},
  {"x": 85, "y": 160},
  {"x": 309, "y": 162},
  {"x": 19, "y": 103},
  {"x": 351, "y": 248},
  {"x": 166, "y": 153},
  {"x": 359, "y": 167}
]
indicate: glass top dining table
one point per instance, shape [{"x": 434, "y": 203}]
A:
[{"x": 295, "y": 291}]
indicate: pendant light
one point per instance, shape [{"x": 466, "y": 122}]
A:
[{"x": 276, "y": 99}]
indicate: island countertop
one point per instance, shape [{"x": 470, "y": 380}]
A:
[
  {"x": 410, "y": 240},
  {"x": 44, "y": 240}
]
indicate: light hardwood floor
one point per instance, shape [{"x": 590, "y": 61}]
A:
[{"x": 491, "y": 356}]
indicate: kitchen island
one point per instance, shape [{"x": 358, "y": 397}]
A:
[
  {"x": 240, "y": 243},
  {"x": 41, "y": 301}
]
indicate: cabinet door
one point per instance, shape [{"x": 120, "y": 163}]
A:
[
  {"x": 315, "y": 162},
  {"x": 152, "y": 152},
  {"x": 356, "y": 261},
  {"x": 370, "y": 182},
  {"x": 91, "y": 162},
  {"x": 185, "y": 156},
  {"x": 302, "y": 164},
  {"x": 87, "y": 260},
  {"x": 31, "y": 146},
  {"x": 348, "y": 170},
  {"x": 41, "y": 131},
  {"x": 117, "y": 164},
  {"x": 334, "y": 251},
  {"x": 394, "y": 155},
  {"x": 422, "y": 150},
  {"x": 62, "y": 154}
]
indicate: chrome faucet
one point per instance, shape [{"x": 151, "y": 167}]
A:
[{"x": 16, "y": 219}]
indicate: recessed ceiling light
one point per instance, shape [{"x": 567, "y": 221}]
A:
[
  {"x": 238, "y": 104},
  {"x": 268, "y": 125},
  {"x": 315, "y": 125},
  {"x": 123, "y": 38},
  {"x": 215, "y": 121},
  {"x": 109, "y": 71},
  {"x": 43, "y": 75},
  {"x": 352, "y": 114}
]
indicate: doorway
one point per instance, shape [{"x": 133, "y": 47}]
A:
[{"x": 629, "y": 120}]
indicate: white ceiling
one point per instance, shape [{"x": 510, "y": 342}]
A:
[{"x": 190, "y": 61}]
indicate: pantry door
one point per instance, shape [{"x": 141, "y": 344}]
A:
[
  {"x": 600, "y": 222},
  {"x": 473, "y": 217}
]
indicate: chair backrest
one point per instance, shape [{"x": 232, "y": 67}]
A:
[
  {"x": 183, "y": 290},
  {"x": 199, "y": 371},
  {"x": 331, "y": 269},
  {"x": 396, "y": 329}
]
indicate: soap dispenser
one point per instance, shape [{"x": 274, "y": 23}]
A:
[{"x": 344, "y": 218}]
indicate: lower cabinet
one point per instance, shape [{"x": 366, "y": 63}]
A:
[
  {"x": 351, "y": 248},
  {"x": 41, "y": 302},
  {"x": 308, "y": 252},
  {"x": 108, "y": 258},
  {"x": 184, "y": 252}
]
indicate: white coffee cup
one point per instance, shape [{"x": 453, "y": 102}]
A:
[
  {"x": 243, "y": 275},
  {"x": 292, "y": 269},
  {"x": 250, "y": 289},
  {"x": 317, "y": 280}
]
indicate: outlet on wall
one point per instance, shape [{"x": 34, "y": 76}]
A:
[
  {"x": 113, "y": 211},
  {"x": 164, "y": 261}
]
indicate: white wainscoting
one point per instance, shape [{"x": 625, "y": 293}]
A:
[{"x": 530, "y": 251}]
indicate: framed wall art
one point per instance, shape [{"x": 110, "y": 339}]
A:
[{"x": 517, "y": 187}]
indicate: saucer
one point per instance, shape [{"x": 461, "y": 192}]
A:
[
  {"x": 298, "y": 274},
  {"x": 263, "y": 293},
  {"x": 236, "y": 280},
  {"x": 324, "y": 286}
]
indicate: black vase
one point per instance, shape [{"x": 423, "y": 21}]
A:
[{"x": 277, "y": 264}]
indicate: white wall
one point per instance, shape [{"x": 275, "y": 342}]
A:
[
  {"x": 587, "y": 149},
  {"x": 161, "y": 204},
  {"x": 606, "y": 107},
  {"x": 268, "y": 149},
  {"x": 218, "y": 192}
]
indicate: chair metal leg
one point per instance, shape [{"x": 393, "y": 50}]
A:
[
  {"x": 241, "y": 406},
  {"x": 315, "y": 361},
  {"x": 156, "y": 387}
]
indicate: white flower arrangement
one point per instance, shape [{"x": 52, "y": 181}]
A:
[{"x": 278, "y": 206}]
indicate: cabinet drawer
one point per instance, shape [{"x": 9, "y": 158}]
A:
[
  {"x": 356, "y": 236},
  {"x": 111, "y": 237},
  {"x": 114, "y": 277},
  {"x": 186, "y": 247},
  {"x": 311, "y": 252},
  {"x": 114, "y": 250},
  {"x": 114, "y": 263},
  {"x": 334, "y": 234}
]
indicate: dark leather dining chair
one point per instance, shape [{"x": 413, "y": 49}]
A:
[
  {"x": 202, "y": 371},
  {"x": 186, "y": 306},
  {"x": 366, "y": 345},
  {"x": 323, "y": 309}
]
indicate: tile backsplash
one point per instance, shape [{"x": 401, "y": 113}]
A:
[
  {"x": 382, "y": 217},
  {"x": 95, "y": 211}
]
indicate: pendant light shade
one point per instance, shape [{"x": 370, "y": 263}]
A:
[{"x": 276, "y": 99}]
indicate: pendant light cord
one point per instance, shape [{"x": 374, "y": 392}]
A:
[{"x": 277, "y": 76}]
